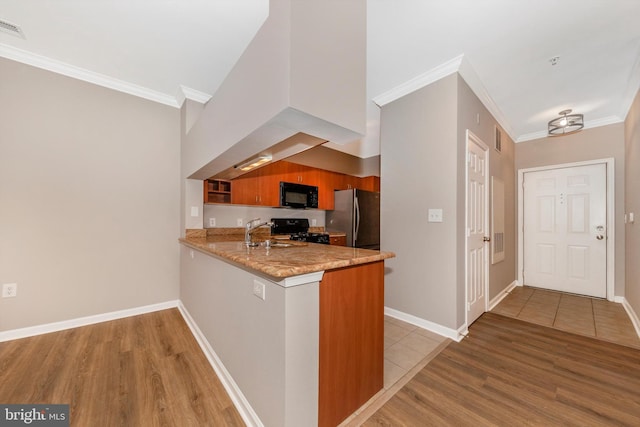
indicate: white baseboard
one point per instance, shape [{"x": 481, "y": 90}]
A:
[
  {"x": 453, "y": 334},
  {"x": 498, "y": 298},
  {"x": 631, "y": 312},
  {"x": 247, "y": 413},
  {"x": 83, "y": 321}
]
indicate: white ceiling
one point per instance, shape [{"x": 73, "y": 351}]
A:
[{"x": 155, "y": 50}]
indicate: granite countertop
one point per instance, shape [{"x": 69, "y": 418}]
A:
[{"x": 281, "y": 262}]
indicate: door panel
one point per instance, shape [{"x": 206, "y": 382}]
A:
[
  {"x": 563, "y": 209},
  {"x": 477, "y": 229}
]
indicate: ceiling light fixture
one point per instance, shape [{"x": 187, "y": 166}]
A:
[
  {"x": 565, "y": 124},
  {"x": 253, "y": 163}
]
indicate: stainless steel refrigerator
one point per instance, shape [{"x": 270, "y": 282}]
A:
[{"x": 356, "y": 213}]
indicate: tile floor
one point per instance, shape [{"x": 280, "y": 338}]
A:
[
  {"x": 405, "y": 346},
  {"x": 407, "y": 349},
  {"x": 578, "y": 314}
]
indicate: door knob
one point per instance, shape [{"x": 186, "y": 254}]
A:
[
  {"x": 486, "y": 239},
  {"x": 600, "y": 231}
]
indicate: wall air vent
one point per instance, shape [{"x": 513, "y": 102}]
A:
[
  {"x": 498, "y": 144},
  {"x": 9, "y": 28}
]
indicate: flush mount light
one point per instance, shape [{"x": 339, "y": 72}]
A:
[
  {"x": 253, "y": 163},
  {"x": 565, "y": 124}
]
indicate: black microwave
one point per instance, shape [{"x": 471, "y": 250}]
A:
[{"x": 298, "y": 196}]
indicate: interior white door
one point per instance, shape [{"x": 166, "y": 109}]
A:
[
  {"x": 477, "y": 228},
  {"x": 564, "y": 229}
]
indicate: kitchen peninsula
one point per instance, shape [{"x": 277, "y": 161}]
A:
[{"x": 296, "y": 328}]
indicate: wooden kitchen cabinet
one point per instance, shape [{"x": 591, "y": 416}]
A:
[
  {"x": 347, "y": 182},
  {"x": 369, "y": 183},
  {"x": 217, "y": 191},
  {"x": 338, "y": 240},
  {"x": 245, "y": 189},
  {"x": 326, "y": 184},
  {"x": 261, "y": 187}
]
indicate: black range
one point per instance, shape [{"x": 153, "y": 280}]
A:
[{"x": 297, "y": 229}]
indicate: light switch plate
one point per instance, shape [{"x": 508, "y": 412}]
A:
[
  {"x": 194, "y": 211},
  {"x": 435, "y": 215}
]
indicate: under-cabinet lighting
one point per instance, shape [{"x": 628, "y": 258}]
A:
[{"x": 253, "y": 163}]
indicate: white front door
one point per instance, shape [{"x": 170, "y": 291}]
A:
[
  {"x": 477, "y": 228},
  {"x": 564, "y": 229}
]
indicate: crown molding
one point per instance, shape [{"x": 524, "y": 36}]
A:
[
  {"x": 419, "y": 81},
  {"x": 462, "y": 66},
  {"x": 633, "y": 86},
  {"x": 475, "y": 83},
  {"x": 78, "y": 73},
  {"x": 195, "y": 95}
]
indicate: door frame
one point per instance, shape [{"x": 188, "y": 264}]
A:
[
  {"x": 611, "y": 235},
  {"x": 471, "y": 137}
]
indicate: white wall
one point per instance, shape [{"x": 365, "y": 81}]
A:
[{"x": 89, "y": 197}]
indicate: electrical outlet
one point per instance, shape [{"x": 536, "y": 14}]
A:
[
  {"x": 435, "y": 215},
  {"x": 258, "y": 289},
  {"x": 9, "y": 290},
  {"x": 313, "y": 222},
  {"x": 239, "y": 222},
  {"x": 212, "y": 222}
]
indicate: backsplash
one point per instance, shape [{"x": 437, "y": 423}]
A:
[{"x": 227, "y": 215}]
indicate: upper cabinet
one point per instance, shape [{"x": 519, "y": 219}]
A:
[
  {"x": 217, "y": 191},
  {"x": 258, "y": 187},
  {"x": 370, "y": 183},
  {"x": 262, "y": 186}
]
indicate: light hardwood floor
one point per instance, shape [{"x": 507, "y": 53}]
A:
[
  {"x": 508, "y": 372},
  {"x": 148, "y": 370},
  {"x": 145, "y": 370}
]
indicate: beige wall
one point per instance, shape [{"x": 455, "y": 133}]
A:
[
  {"x": 89, "y": 196},
  {"x": 632, "y": 204},
  {"x": 473, "y": 115},
  {"x": 290, "y": 79},
  {"x": 590, "y": 144},
  {"x": 256, "y": 90},
  {"x": 269, "y": 347},
  {"x": 325, "y": 158},
  {"x": 418, "y": 171},
  {"x": 328, "y": 62},
  {"x": 423, "y": 152}
]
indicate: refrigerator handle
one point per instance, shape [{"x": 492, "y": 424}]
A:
[{"x": 357, "y": 215}]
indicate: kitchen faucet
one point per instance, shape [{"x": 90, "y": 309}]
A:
[{"x": 251, "y": 226}]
